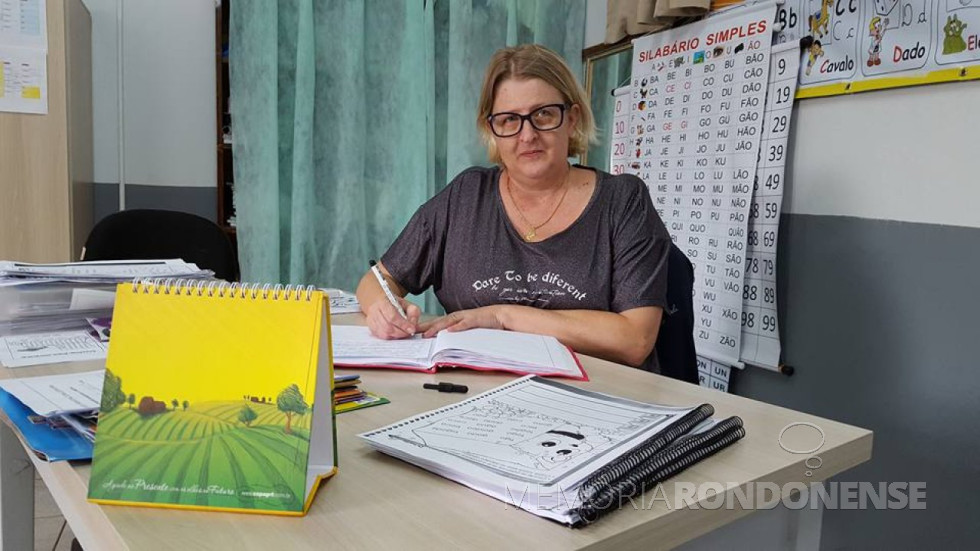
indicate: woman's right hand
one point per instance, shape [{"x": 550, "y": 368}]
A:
[{"x": 385, "y": 322}]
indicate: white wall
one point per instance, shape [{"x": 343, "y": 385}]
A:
[
  {"x": 906, "y": 154},
  {"x": 169, "y": 91}
]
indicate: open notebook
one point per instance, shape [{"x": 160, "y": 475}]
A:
[{"x": 481, "y": 349}]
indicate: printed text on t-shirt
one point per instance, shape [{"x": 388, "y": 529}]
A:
[{"x": 515, "y": 287}]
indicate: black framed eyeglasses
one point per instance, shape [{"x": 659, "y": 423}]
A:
[{"x": 544, "y": 118}]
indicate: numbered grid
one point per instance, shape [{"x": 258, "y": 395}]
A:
[
  {"x": 760, "y": 330},
  {"x": 619, "y": 152}
]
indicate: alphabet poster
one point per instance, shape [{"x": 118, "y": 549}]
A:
[
  {"x": 871, "y": 44},
  {"x": 696, "y": 110}
]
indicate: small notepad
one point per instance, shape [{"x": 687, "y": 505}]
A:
[{"x": 216, "y": 397}]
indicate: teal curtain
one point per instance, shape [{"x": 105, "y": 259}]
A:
[{"x": 349, "y": 114}]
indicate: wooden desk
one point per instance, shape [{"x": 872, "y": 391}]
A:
[{"x": 379, "y": 502}]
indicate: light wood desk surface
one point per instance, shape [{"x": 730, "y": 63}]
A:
[{"x": 380, "y": 502}]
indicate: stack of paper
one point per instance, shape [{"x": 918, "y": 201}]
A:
[
  {"x": 55, "y": 414},
  {"x": 51, "y": 347},
  {"x": 342, "y": 302},
  {"x": 102, "y": 271},
  {"x": 31, "y": 306},
  {"x": 55, "y": 297},
  {"x": 59, "y": 312}
]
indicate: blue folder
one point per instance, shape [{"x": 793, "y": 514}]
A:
[{"x": 50, "y": 443}]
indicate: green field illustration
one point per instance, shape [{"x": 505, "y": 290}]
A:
[{"x": 248, "y": 454}]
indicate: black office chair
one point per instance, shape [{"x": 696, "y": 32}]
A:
[
  {"x": 675, "y": 342},
  {"x": 145, "y": 234}
]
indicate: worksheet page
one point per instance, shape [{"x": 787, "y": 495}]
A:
[{"x": 529, "y": 431}]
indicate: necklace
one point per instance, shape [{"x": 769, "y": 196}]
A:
[{"x": 533, "y": 232}]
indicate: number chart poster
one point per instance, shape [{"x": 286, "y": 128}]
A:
[
  {"x": 696, "y": 111},
  {"x": 760, "y": 330},
  {"x": 864, "y": 45},
  {"x": 619, "y": 152}
]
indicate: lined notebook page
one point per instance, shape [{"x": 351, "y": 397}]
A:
[
  {"x": 355, "y": 344},
  {"x": 506, "y": 347}
]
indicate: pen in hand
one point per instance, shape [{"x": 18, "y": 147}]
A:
[{"x": 387, "y": 290}]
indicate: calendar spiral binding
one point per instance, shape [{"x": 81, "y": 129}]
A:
[{"x": 222, "y": 289}]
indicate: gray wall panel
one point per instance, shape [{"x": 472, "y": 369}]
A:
[
  {"x": 880, "y": 320},
  {"x": 201, "y": 201}
]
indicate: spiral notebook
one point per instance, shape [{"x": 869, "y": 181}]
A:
[
  {"x": 555, "y": 450},
  {"x": 216, "y": 396}
]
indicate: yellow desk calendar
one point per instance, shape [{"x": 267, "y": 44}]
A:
[{"x": 216, "y": 396}]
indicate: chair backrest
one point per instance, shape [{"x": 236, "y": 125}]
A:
[
  {"x": 145, "y": 234},
  {"x": 675, "y": 342}
]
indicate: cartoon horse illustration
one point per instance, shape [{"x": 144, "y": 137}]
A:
[{"x": 819, "y": 20}]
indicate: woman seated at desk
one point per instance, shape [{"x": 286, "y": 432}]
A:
[{"x": 533, "y": 244}]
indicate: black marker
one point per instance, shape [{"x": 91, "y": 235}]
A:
[{"x": 446, "y": 387}]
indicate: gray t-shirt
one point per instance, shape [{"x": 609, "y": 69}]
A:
[{"x": 461, "y": 243}]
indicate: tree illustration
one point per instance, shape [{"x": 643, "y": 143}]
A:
[
  {"x": 290, "y": 401},
  {"x": 174, "y": 403},
  {"x": 186, "y": 405},
  {"x": 247, "y": 415},
  {"x": 131, "y": 400},
  {"x": 112, "y": 394}
]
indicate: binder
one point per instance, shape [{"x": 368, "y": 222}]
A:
[
  {"x": 554, "y": 450},
  {"x": 216, "y": 396},
  {"x": 602, "y": 497}
]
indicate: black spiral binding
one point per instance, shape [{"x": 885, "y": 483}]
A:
[
  {"x": 457, "y": 405},
  {"x": 222, "y": 289},
  {"x": 662, "y": 465},
  {"x": 625, "y": 464}
]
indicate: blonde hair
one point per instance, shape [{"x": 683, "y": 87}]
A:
[
  {"x": 874, "y": 22},
  {"x": 534, "y": 61}
]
